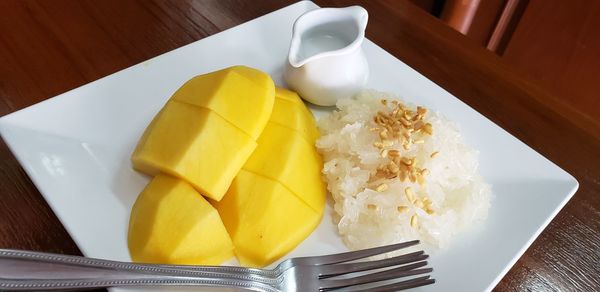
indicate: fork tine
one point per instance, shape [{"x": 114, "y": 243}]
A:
[
  {"x": 328, "y": 271},
  {"x": 403, "y": 271},
  {"x": 403, "y": 285},
  {"x": 412, "y": 283},
  {"x": 352, "y": 255}
]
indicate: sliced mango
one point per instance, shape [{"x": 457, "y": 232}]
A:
[
  {"x": 278, "y": 197},
  {"x": 195, "y": 144},
  {"x": 264, "y": 219},
  {"x": 172, "y": 223},
  {"x": 284, "y": 156},
  {"x": 293, "y": 113},
  {"x": 241, "y": 95},
  {"x": 208, "y": 129}
]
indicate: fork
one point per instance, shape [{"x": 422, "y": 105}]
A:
[{"x": 28, "y": 270}]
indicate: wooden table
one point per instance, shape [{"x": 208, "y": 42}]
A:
[{"x": 49, "y": 47}]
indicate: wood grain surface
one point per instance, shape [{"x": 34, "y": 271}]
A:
[
  {"x": 49, "y": 47},
  {"x": 557, "y": 45}
]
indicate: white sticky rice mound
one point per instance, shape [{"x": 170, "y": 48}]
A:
[{"x": 459, "y": 196}]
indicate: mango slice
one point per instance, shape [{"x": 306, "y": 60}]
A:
[
  {"x": 172, "y": 223},
  {"x": 241, "y": 95},
  {"x": 265, "y": 220},
  {"x": 284, "y": 156},
  {"x": 278, "y": 197},
  {"x": 293, "y": 113},
  {"x": 194, "y": 144},
  {"x": 208, "y": 129}
]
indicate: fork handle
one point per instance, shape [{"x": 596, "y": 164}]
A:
[{"x": 27, "y": 270}]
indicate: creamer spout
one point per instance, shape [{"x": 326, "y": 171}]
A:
[{"x": 293, "y": 56}]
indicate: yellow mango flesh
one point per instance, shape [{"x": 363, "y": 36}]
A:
[
  {"x": 293, "y": 113},
  {"x": 194, "y": 144},
  {"x": 241, "y": 95},
  {"x": 284, "y": 156},
  {"x": 277, "y": 199},
  {"x": 208, "y": 129},
  {"x": 265, "y": 220},
  {"x": 171, "y": 223}
]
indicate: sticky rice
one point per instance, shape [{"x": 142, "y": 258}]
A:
[{"x": 404, "y": 175}]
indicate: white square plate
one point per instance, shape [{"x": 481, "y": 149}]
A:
[{"x": 76, "y": 148}]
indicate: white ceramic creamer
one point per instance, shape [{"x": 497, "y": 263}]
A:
[{"x": 325, "y": 60}]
